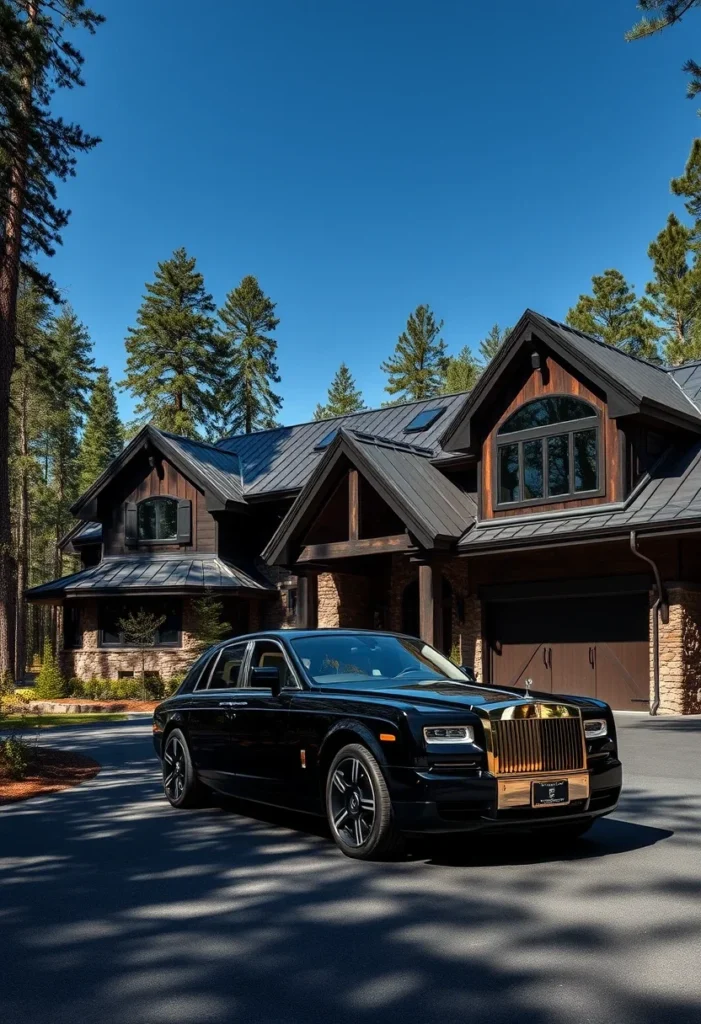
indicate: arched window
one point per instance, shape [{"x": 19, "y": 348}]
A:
[
  {"x": 157, "y": 519},
  {"x": 547, "y": 450}
]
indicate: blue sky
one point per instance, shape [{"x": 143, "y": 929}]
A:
[{"x": 361, "y": 157}]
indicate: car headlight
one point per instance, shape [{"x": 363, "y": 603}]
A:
[
  {"x": 595, "y": 728},
  {"x": 449, "y": 734}
]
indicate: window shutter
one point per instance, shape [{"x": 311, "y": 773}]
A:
[
  {"x": 130, "y": 532},
  {"x": 184, "y": 522}
]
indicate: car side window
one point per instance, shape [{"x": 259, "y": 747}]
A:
[
  {"x": 226, "y": 673},
  {"x": 267, "y": 653}
]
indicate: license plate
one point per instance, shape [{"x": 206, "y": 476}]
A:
[{"x": 545, "y": 794}]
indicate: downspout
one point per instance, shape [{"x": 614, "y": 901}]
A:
[{"x": 659, "y": 607}]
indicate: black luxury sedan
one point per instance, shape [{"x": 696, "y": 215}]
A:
[{"x": 384, "y": 736}]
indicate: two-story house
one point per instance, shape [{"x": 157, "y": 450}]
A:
[{"x": 545, "y": 527}]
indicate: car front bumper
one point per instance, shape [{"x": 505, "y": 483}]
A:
[{"x": 428, "y": 801}]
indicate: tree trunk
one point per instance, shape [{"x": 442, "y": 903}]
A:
[
  {"x": 11, "y": 235},
  {"x": 22, "y": 537}
]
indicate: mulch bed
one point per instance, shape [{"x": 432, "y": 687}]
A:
[{"x": 49, "y": 771}]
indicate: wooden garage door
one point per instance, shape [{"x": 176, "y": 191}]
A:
[{"x": 597, "y": 647}]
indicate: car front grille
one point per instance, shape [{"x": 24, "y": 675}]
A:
[{"x": 537, "y": 745}]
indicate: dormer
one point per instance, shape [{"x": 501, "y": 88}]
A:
[{"x": 560, "y": 421}]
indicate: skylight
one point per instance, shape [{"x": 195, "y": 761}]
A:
[
  {"x": 326, "y": 440},
  {"x": 423, "y": 420}
]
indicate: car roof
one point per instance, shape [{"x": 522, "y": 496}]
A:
[{"x": 295, "y": 634}]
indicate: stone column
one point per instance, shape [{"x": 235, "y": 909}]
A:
[{"x": 680, "y": 652}]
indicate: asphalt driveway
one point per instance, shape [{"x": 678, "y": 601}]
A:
[{"x": 116, "y": 908}]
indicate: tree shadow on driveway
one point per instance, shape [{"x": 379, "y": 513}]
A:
[{"x": 116, "y": 908}]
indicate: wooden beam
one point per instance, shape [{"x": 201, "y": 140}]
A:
[
  {"x": 307, "y": 600},
  {"x": 353, "y": 505},
  {"x": 354, "y": 548},
  {"x": 431, "y": 605}
]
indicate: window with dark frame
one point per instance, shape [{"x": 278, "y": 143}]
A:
[
  {"x": 548, "y": 449},
  {"x": 110, "y": 612},
  {"x": 157, "y": 519},
  {"x": 72, "y": 633}
]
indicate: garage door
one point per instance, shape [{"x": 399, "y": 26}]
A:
[{"x": 597, "y": 647}]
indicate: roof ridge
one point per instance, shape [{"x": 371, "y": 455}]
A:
[
  {"x": 688, "y": 397},
  {"x": 602, "y": 343},
  {"x": 195, "y": 440},
  {"x": 343, "y": 416},
  {"x": 405, "y": 446}
]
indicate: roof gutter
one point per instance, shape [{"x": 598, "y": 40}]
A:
[{"x": 660, "y": 608}]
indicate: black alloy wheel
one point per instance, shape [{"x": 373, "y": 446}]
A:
[
  {"x": 180, "y": 783},
  {"x": 358, "y": 805}
]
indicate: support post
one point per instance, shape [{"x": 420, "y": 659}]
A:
[
  {"x": 431, "y": 605},
  {"x": 307, "y": 594},
  {"x": 353, "y": 505}
]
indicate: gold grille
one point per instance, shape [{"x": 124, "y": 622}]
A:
[{"x": 537, "y": 745}]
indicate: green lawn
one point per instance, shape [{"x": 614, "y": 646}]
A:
[{"x": 50, "y": 721}]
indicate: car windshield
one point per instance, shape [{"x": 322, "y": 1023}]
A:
[{"x": 356, "y": 660}]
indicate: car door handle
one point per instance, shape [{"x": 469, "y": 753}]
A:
[{"x": 233, "y": 703}]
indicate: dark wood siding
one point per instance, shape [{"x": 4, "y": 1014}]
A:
[
  {"x": 146, "y": 481},
  {"x": 552, "y": 380}
]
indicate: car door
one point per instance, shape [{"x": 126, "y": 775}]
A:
[
  {"x": 258, "y": 730},
  {"x": 210, "y": 715}
]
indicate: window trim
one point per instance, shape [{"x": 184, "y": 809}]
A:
[
  {"x": 208, "y": 670},
  {"x": 520, "y": 437},
  {"x": 290, "y": 667},
  {"x": 157, "y": 540}
]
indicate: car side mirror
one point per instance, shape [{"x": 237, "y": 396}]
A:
[
  {"x": 267, "y": 675},
  {"x": 469, "y": 672}
]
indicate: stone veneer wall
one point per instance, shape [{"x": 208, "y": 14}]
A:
[
  {"x": 680, "y": 652},
  {"x": 106, "y": 663},
  {"x": 343, "y": 600}
]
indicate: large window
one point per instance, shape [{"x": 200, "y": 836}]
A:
[
  {"x": 110, "y": 612},
  {"x": 548, "y": 450},
  {"x": 72, "y": 632},
  {"x": 157, "y": 519}
]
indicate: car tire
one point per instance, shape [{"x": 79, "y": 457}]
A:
[
  {"x": 359, "y": 808},
  {"x": 180, "y": 783}
]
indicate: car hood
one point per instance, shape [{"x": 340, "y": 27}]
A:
[{"x": 445, "y": 693}]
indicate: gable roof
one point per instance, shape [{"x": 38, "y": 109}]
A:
[
  {"x": 432, "y": 508},
  {"x": 281, "y": 460},
  {"x": 631, "y": 384},
  {"x": 688, "y": 377},
  {"x": 214, "y": 470}
]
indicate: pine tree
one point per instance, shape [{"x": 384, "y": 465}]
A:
[
  {"x": 247, "y": 401},
  {"x": 490, "y": 345},
  {"x": 50, "y": 684},
  {"x": 103, "y": 435},
  {"x": 208, "y": 627},
  {"x": 462, "y": 373},
  {"x": 71, "y": 350},
  {"x": 688, "y": 185},
  {"x": 174, "y": 359},
  {"x": 37, "y": 150},
  {"x": 665, "y": 13},
  {"x": 613, "y": 313},
  {"x": 342, "y": 398},
  {"x": 417, "y": 367},
  {"x": 673, "y": 297},
  {"x": 33, "y": 395}
]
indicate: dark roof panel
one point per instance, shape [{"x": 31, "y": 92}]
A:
[
  {"x": 135, "y": 573},
  {"x": 671, "y": 496},
  {"x": 283, "y": 459}
]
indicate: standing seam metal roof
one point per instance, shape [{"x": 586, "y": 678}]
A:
[
  {"x": 284, "y": 458},
  {"x": 672, "y": 495}
]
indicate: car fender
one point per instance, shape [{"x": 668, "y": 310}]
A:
[{"x": 359, "y": 729}]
